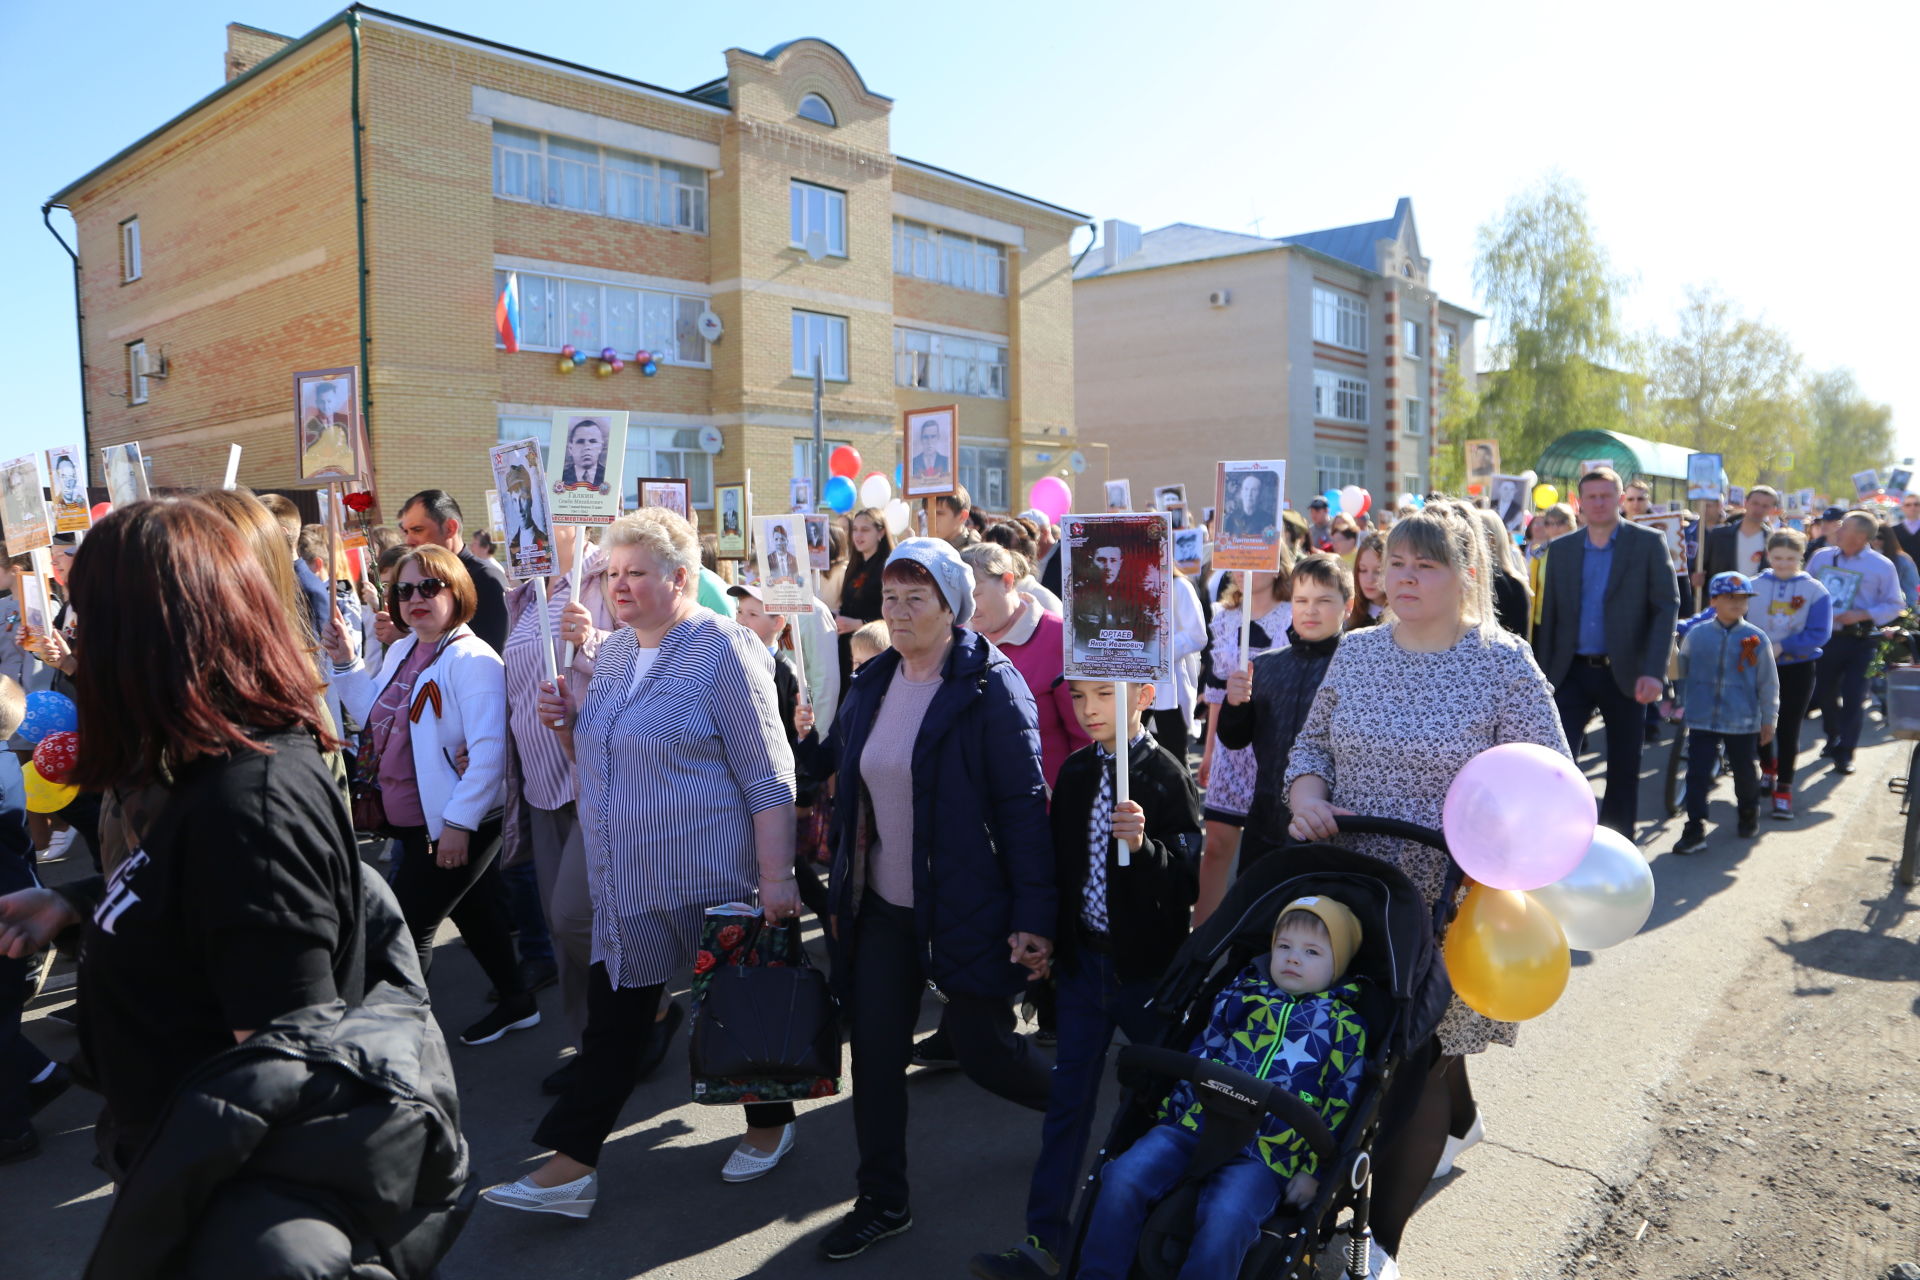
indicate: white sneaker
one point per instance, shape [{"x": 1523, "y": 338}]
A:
[
  {"x": 1455, "y": 1146},
  {"x": 60, "y": 845},
  {"x": 749, "y": 1162},
  {"x": 1380, "y": 1264},
  {"x": 569, "y": 1199}
]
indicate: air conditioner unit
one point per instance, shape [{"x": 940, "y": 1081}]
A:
[
  {"x": 152, "y": 366},
  {"x": 1219, "y": 298}
]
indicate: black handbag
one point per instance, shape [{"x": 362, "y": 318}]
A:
[{"x": 763, "y": 1016}]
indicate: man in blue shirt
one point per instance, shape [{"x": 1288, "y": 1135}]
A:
[
  {"x": 1865, "y": 588},
  {"x": 1608, "y": 605}
]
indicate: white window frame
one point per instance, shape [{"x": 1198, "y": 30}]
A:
[
  {"x": 1339, "y": 398},
  {"x": 1339, "y": 319},
  {"x": 949, "y": 258},
  {"x": 986, "y": 479},
  {"x": 808, "y": 328},
  {"x": 665, "y": 197},
  {"x": 545, "y": 294},
  {"x": 927, "y": 361},
  {"x": 812, "y": 207},
  {"x": 1413, "y": 484},
  {"x": 1412, "y": 344},
  {"x": 1445, "y": 342},
  {"x": 130, "y": 264},
  {"x": 1338, "y": 470},
  {"x": 136, "y": 380},
  {"x": 1416, "y": 416}
]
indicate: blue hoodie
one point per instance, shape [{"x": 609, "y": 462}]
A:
[{"x": 1796, "y": 613}]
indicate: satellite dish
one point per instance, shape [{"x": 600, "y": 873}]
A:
[
  {"x": 816, "y": 245},
  {"x": 1078, "y": 461}
]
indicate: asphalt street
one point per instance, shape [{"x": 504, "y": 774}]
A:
[{"x": 1569, "y": 1112}]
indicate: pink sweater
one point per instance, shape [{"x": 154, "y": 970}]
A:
[{"x": 1033, "y": 645}]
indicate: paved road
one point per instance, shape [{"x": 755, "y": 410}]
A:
[{"x": 1569, "y": 1113}]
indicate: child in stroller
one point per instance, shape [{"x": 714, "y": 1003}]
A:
[{"x": 1288, "y": 1017}]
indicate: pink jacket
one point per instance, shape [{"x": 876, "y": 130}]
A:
[{"x": 1033, "y": 645}]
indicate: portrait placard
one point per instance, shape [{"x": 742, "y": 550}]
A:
[
  {"x": 1673, "y": 527},
  {"x": 1703, "y": 475},
  {"x": 126, "y": 473},
  {"x": 36, "y": 611},
  {"x": 819, "y": 544},
  {"x": 786, "y": 582},
  {"x": 730, "y": 501},
  {"x": 496, "y": 522},
  {"x": 1119, "y": 495},
  {"x": 931, "y": 444},
  {"x": 23, "y": 511},
  {"x": 1246, "y": 504},
  {"x": 1803, "y": 501},
  {"x": 800, "y": 494},
  {"x": 1736, "y": 496},
  {"x": 1483, "y": 461},
  {"x": 673, "y": 493},
  {"x": 1189, "y": 545},
  {"x": 528, "y": 526},
  {"x": 1898, "y": 481},
  {"x": 587, "y": 452},
  {"x": 1116, "y": 578},
  {"x": 72, "y": 513},
  {"x": 1508, "y": 497},
  {"x": 326, "y": 421},
  {"x": 1864, "y": 483},
  {"x": 1593, "y": 464},
  {"x": 1168, "y": 496}
]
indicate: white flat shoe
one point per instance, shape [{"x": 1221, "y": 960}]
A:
[
  {"x": 1380, "y": 1264},
  {"x": 569, "y": 1199},
  {"x": 1455, "y": 1146},
  {"x": 749, "y": 1162}
]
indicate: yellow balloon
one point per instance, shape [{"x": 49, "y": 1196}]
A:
[
  {"x": 565, "y": 365},
  {"x": 1544, "y": 496},
  {"x": 1506, "y": 955},
  {"x": 44, "y": 796}
]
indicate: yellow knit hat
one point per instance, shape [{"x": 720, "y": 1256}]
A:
[{"x": 1343, "y": 927}]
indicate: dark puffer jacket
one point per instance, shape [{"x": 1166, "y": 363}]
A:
[
  {"x": 326, "y": 1145},
  {"x": 982, "y": 852}
]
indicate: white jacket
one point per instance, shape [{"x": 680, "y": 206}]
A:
[
  {"x": 1189, "y": 638},
  {"x": 470, "y": 713}
]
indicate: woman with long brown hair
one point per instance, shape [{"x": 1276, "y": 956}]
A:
[
  {"x": 231, "y": 892},
  {"x": 860, "y": 588}
]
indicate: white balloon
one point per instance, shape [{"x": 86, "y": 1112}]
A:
[
  {"x": 1351, "y": 499},
  {"x": 875, "y": 490},
  {"x": 898, "y": 516},
  {"x": 1604, "y": 900}
]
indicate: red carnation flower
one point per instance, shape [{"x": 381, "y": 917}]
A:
[
  {"x": 358, "y": 501},
  {"x": 704, "y": 961}
]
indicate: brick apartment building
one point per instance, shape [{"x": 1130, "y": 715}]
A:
[
  {"x": 1328, "y": 349},
  {"x": 226, "y": 242}
]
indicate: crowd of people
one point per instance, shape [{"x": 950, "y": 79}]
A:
[{"x": 285, "y": 766}]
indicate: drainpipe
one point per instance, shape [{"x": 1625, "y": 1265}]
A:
[
  {"x": 360, "y": 242},
  {"x": 79, "y": 325}
]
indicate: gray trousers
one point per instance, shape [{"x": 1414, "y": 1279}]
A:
[{"x": 560, "y": 865}]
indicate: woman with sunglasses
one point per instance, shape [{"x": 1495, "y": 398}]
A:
[{"x": 440, "y": 695}]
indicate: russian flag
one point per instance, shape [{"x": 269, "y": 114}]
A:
[{"x": 506, "y": 313}]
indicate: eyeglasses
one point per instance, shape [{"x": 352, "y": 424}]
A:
[{"x": 427, "y": 587}]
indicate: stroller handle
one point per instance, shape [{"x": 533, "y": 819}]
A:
[
  {"x": 1356, "y": 824},
  {"x": 1228, "y": 1086}
]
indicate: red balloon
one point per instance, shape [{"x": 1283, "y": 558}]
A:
[
  {"x": 844, "y": 461},
  {"x": 100, "y": 510},
  {"x": 55, "y": 754},
  {"x": 1366, "y": 501}
]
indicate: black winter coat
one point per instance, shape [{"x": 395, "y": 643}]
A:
[
  {"x": 982, "y": 852},
  {"x": 1150, "y": 900},
  {"x": 326, "y": 1145},
  {"x": 1284, "y": 683}
]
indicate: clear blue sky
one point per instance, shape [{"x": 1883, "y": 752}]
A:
[{"x": 1759, "y": 147}]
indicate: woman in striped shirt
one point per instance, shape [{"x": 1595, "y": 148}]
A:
[{"x": 686, "y": 802}]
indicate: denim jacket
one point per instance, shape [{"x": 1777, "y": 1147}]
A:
[{"x": 1728, "y": 683}]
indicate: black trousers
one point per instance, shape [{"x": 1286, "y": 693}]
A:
[
  {"x": 1796, "y": 695},
  {"x": 887, "y": 981},
  {"x": 1743, "y": 755},
  {"x": 1170, "y": 730},
  {"x": 1413, "y": 1136},
  {"x": 472, "y": 895},
  {"x": 1840, "y": 690},
  {"x": 1588, "y": 689},
  {"x": 619, "y": 1027}
]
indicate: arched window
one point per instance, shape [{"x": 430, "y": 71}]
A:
[{"x": 814, "y": 107}]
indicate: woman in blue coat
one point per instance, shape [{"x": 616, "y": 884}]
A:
[{"x": 942, "y": 866}]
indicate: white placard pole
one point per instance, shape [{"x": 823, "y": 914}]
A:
[
  {"x": 1246, "y": 618},
  {"x": 546, "y": 637},
  {"x": 573, "y": 584},
  {"x": 800, "y": 654},
  {"x": 1122, "y": 746}
]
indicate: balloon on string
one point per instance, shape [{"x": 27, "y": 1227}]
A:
[
  {"x": 1475, "y": 489},
  {"x": 565, "y": 365},
  {"x": 568, "y": 350},
  {"x": 1506, "y": 955},
  {"x": 1544, "y": 496},
  {"x": 48, "y": 712},
  {"x": 899, "y": 475},
  {"x": 578, "y": 357},
  {"x": 1519, "y": 816},
  {"x": 875, "y": 490},
  {"x": 1603, "y": 901},
  {"x": 44, "y": 796},
  {"x": 1050, "y": 497},
  {"x": 56, "y": 755},
  {"x": 844, "y": 461},
  {"x": 1333, "y": 499},
  {"x": 100, "y": 510},
  {"x": 898, "y": 515},
  {"x": 649, "y": 368},
  {"x": 618, "y": 364},
  {"x": 603, "y": 368},
  {"x": 643, "y": 357},
  {"x": 1353, "y": 500},
  {"x": 840, "y": 494}
]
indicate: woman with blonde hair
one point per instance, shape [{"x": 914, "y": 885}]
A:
[{"x": 1506, "y": 574}]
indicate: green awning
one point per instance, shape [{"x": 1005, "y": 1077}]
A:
[{"x": 1633, "y": 457}]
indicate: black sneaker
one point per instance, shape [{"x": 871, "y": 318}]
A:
[
  {"x": 1749, "y": 825},
  {"x": 866, "y": 1225},
  {"x": 1028, "y": 1260},
  {"x": 935, "y": 1052},
  {"x": 508, "y": 1015},
  {"x": 42, "y": 1092},
  {"x": 560, "y": 1080},
  {"x": 663, "y": 1032},
  {"x": 1693, "y": 839}
]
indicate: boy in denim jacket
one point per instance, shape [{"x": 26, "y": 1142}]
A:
[{"x": 1731, "y": 692}]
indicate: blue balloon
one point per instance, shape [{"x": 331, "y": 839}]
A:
[
  {"x": 899, "y": 475},
  {"x": 649, "y": 368},
  {"x": 1333, "y": 498},
  {"x": 579, "y": 357},
  {"x": 48, "y": 712},
  {"x": 841, "y": 495}
]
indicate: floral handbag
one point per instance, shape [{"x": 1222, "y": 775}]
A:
[{"x": 765, "y": 1026}]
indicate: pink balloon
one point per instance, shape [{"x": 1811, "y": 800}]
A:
[
  {"x": 1051, "y": 497},
  {"x": 1519, "y": 816}
]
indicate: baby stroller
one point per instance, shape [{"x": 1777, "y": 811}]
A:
[{"x": 1403, "y": 999}]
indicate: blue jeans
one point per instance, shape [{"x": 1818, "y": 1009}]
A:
[
  {"x": 20, "y": 1062},
  {"x": 1092, "y": 1003},
  {"x": 522, "y": 884},
  {"x": 1743, "y": 753},
  {"x": 1234, "y": 1202}
]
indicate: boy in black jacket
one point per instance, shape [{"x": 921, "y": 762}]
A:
[
  {"x": 1266, "y": 706},
  {"x": 1119, "y": 928}
]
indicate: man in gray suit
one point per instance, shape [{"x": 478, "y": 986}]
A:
[{"x": 1608, "y": 606}]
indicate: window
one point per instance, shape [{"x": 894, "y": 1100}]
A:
[
  {"x": 557, "y": 310},
  {"x": 136, "y": 373},
  {"x": 1339, "y": 397},
  {"x": 815, "y": 108},
  {"x": 1411, "y": 483},
  {"x": 803, "y": 454},
  {"x": 1338, "y": 470},
  {"x": 1416, "y": 417},
  {"x": 130, "y": 250},
  {"x": 1339, "y": 318},
  {"x": 983, "y": 473},
  {"x": 813, "y": 332},
  {"x": 1413, "y": 339},
  {"x": 947, "y": 257},
  {"x": 543, "y": 169},
  {"x": 819, "y": 209},
  {"x": 1443, "y": 339},
  {"x": 940, "y": 362},
  {"x": 651, "y": 451}
]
